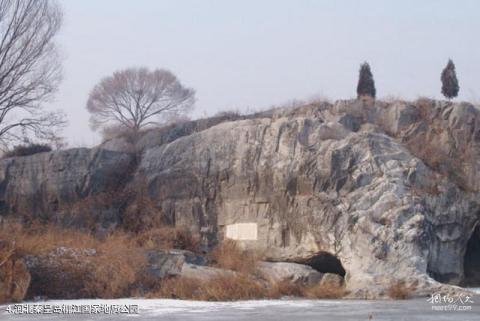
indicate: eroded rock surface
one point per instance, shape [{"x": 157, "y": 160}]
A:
[
  {"x": 390, "y": 189},
  {"x": 289, "y": 272}
]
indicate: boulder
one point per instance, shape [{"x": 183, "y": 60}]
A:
[
  {"x": 161, "y": 264},
  {"x": 61, "y": 273},
  {"x": 331, "y": 280},
  {"x": 289, "y": 272},
  {"x": 204, "y": 273},
  {"x": 164, "y": 263}
]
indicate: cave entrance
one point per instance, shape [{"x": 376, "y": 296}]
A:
[
  {"x": 325, "y": 262},
  {"x": 471, "y": 262}
]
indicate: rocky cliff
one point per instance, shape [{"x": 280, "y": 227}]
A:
[{"x": 376, "y": 191}]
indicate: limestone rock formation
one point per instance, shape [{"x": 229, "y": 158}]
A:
[
  {"x": 58, "y": 186},
  {"x": 164, "y": 263},
  {"x": 289, "y": 272},
  {"x": 204, "y": 273},
  {"x": 377, "y": 191},
  {"x": 332, "y": 280}
]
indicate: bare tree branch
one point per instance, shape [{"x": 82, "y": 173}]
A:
[
  {"x": 30, "y": 70},
  {"x": 132, "y": 97}
]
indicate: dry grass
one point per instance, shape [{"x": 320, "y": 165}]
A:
[
  {"x": 113, "y": 270},
  {"x": 239, "y": 287},
  {"x": 116, "y": 266},
  {"x": 221, "y": 288},
  {"x": 323, "y": 292},
  {"x": 7, "y": 250},
  {"x": 37, "y": 239},
  {"x": 425, "y": 106},
  {"x": 398, "y": 290},
  {"x": 75, "y": 264},
  {"x": 14, "y": 277},
  {"x": 108, "y": 272},
  {"x": 229, "y": 255},
  {"x": 168, "y": 237}
]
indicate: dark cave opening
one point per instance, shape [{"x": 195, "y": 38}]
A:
[
  {"x": 325, "y": 262},
  {"x": 471, "y": 263}
]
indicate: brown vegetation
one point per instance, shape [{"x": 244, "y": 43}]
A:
[
  {"x": 244, "y": 285},
  {"x": 14, "y": 277},
  {"x": 427, "y": 146},
  {"x": 71, "y": 263},
  {"x": 37, "y": 239},
  {"x": 398, "y": 290},
  {"x": 239, "y": 287},
  {"x": 221, "y": 288},
  {"x": 167, "y": 237},
  {"x": 228, "y": 255},
  {"x": 106, "y": 270}
]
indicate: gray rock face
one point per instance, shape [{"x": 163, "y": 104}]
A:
[
  {"x": 164, "y": 263},
  {"x": 289, "y": 272},
  {"x": 390, "y": 189},
  {"x": 204, "y": 273},
  {"x": 48, "y": 185}
]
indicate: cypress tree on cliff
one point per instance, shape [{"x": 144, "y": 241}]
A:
[
  {"x": 449, "y": 79},
  {"x": 366, "y": 84}
]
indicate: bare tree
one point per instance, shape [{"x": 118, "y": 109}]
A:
[
  {"x": 30, "y": 69},
  {"x": 136, "y": 97}
]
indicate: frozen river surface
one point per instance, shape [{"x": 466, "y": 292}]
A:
[{"x": 275, "y": 310}]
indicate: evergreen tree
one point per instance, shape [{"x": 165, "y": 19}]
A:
[
  {"x": 450, "y": 85},
  {"x": 366, "y": 84}
]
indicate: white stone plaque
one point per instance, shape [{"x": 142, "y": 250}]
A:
[{"x": 242, "y": 231}]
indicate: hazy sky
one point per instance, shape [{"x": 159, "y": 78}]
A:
[{"x": 249, "y": 55}]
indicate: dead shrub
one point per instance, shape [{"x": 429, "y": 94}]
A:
[
  {"x": 398, "y": 290},
  {"x": 285, "y": 288},
  {"x": 221, "y": 288},
  {"x": 109, "y": 272},
  {"x": 229, "y": 255},
  {"x": 14, "y": 276},
  {"x": 323, "y": 292},
  {"x": 168, "y": 237},
  {"x": 439, "y": 161},
  {"x": 177, "y": 288},
  {"x": 116, "y": 267},
  {"x": 36, "y": 238},
  {"x": 425, "y": 106},
  {"x": 70, "y": 264},
  {"x": 238, "y": 287},
  {"x": 141, "y": 214},
  {"x": 7, "y": 250}
]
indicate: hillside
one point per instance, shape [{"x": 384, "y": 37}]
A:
[{"x": 379, "y": 192}]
